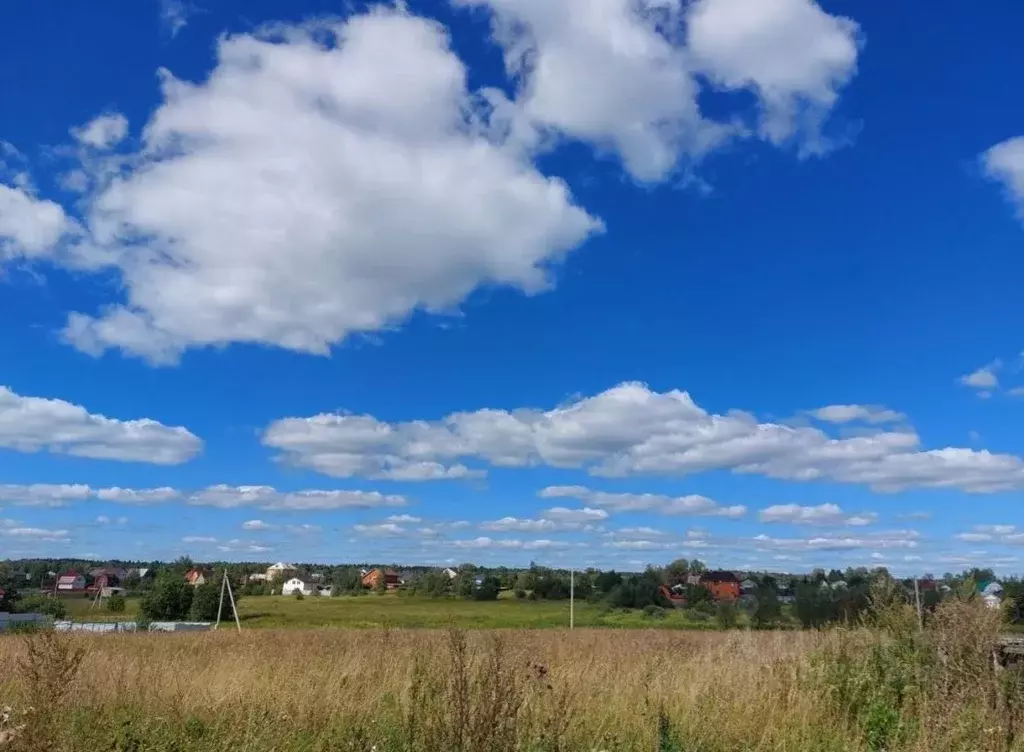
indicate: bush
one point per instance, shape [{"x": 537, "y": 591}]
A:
[
  {"x": 298, "y": 595},
  {"x": 725, "y": 615},
  {"x": 532, "y": 596},
  {"x": 654, "y": 612},
  {"x": 116, "y": 604},
  {"x": 170, "y": 600},
  {"x": 520, "y": 594},
  {"x": 42, "y": 604}
]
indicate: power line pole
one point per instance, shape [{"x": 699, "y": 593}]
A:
[{"x": 226, "y": 586}]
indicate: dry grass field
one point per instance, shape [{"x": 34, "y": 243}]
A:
[{"x": 889, "y": 687}]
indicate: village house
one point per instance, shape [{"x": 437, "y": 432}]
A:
[
  {"x": 372, "y": 578},
  {"x": 279, "y": 570},
  {"x": 71, "y": 582},
  {"x": 106, "y": 577},
  {"x": 724, "y": 586},
  {"x": 197, "y": 577},
  {"x": 299, "y": 585},
  {"x": 450, "y": 573}
]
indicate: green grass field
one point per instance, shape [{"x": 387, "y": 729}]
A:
[{"x": 403, "y": 611}]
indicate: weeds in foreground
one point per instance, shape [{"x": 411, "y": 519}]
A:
[{"x": 883, "y": 685}]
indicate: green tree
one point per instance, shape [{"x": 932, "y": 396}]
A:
[
  {"x": 768, "y": 611},
  {"x": 487, "y": 589},
  {"x": 170, "y": 600},
  {"x": 346, "y": 580},
  {"x": 43, "y": 604},
  {"x": 380, "y": 587},
  {"x": 605, "y": 582},
  {"x": 116, "y": 604},
  {"x": 677, "y": 571},
  {"x": 726, "y": 615},
  {"x": 435, "y": 584},
  {"x": 10, "y": 595}
]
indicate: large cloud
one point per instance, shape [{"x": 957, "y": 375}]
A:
[
  {"x": 791, "y": 53},
  {"x": 621, "y": 74},
  {"x": 323, "y": 182},
  {"x": 31, "y": 424},
  {"x": 631, "y": 430}
]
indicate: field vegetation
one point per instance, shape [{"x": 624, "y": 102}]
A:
[{"x": 884, "y": 684}]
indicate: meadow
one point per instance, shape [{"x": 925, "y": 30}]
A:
[
  {"x": 884, "y": 685},
  {"x": 409, "y": 611}
]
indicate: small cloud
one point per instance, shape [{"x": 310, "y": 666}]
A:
[
  {"x": 983, "y": 379},
  {"x": 403, "y": 519},
  {"x": 873, "y": 414},
  {"x": 257, "y": 525},
  {"x": 1017, "y": 391},
  {"x": 974, "y": 436},
  {"x": 198, "y": 539},
  {"x": 103, "y": 132},
  {"x": 915, "y": 516},
  {"x": 174, "y": 15}
]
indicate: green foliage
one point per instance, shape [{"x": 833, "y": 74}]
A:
[
  {"x": 605, "y": 582},
  {"x": 696, "y": 595},
  {"x": 381, "y": 586},
  {"x": 768, "y": 611},
  {"x": 206, "y": 601},
  {"x": 520, "y": 594},
  {"x": 487, "y": 590},
  {"x": 434, "y": 584},
  {"x": 726, "y": 615},
  {"x": 297, "y": 595},
  {"x": 43, "y": 604},
  {"x": 637, "y": 591},
  {"x": 346, "y": 580},
  {"x": 653, "y": 611},
  {"x": 170, "y": 600},
  {"x": 116, "y": 604}
]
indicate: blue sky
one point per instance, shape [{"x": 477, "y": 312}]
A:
[{"x": 586, "y": 283}]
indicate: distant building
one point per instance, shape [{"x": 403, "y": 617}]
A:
[
  {"x": 450, "y": 573},
  {"x": 197, "y": 577},
  {"x": 299, "y": 585},
  {"x": 71, "y": 582},
  {"x": 372, "y": 578},
  {"x": 274, "y": 571},
  {"x": 724, "y": 586}
]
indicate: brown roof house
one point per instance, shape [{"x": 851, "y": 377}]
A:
[{"x": 372, "y": 578}]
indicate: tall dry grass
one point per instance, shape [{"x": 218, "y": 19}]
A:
[{"x": 888, "y": 687}]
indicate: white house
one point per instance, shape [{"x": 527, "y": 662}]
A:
[
  {"x": 450, "y": 573},
  {"x": 298, "y": 585},
  {"x": 276, "y": 570}
]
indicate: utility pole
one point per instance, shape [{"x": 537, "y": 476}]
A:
[
  {"x": 572, "y": 599},
  {"x": 226, "y": 586},
  {"x": 917, "y": 601}
]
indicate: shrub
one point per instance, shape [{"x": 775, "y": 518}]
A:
[
  {"x": 206, "y": 603},
  {"x": 116, "y": 604},
  {"x": 532, "y": 596},
  {"x": 170, "y": 600},
  {"x": 298, "y": 595},
  {"x": 520, "y": 594},
  {"x": 652, "y": 611},
  {"x": 725, "y": 615},
  {"x": 43, "y": 604}
]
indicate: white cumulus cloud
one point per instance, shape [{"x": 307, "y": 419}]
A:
[
  {"x": 873, "y": 414},
  {"x": 632, "y": 430},
  {"x": 267, "y": 498},
  {"x": 103, "y": 132},
  {"x": 31, "y": 424},
  {"x": 622, "y": 74},
  {"x": 1005, "y": 164},
  {"x": 324, "y": 180},
  {"x": 823, "y": 514},
  {"x": 692, "y": 504}
]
